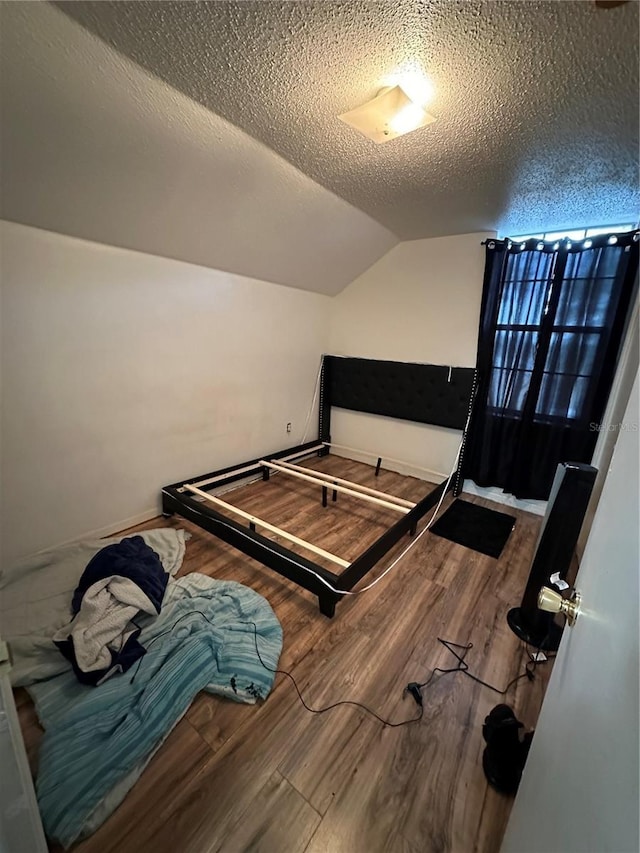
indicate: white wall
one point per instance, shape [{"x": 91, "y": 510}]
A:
[
  {"x": 420, "y": 302},
  {"x": 124, "y": 371}
]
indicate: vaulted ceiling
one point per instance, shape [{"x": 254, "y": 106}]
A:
[
  {"x": 537, "y": 102},
  {"x": 208, "y": 131},
  {"x": 93, "y": 146}
]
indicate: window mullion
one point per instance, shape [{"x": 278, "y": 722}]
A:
[{"x": 546, "y": 329}]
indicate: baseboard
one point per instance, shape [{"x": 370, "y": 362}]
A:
[
  {"x": 493, "y": 493},
  {"x": 119, "y": 526},
  {"x": 101, "y": 532},
  {"x": 404, "y": 468}
]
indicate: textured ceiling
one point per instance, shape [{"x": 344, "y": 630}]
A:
[
  {"x": 537, "y": 102},
  {"x": 95, "y": 147}
]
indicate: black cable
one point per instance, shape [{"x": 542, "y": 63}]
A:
[
  {"x": 414, "y": 688},
  {"x": 335, "y": 704},
  {"x": 415, "y": 719},
  {"x": 463, "y": 667}
]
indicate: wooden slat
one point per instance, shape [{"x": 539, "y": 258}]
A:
[
  {"x": 247, "y": 469},
  {"x": 331, "y": 485},
  {"x": 358, "y": 486},
  {"x": 267, "y": 526}
]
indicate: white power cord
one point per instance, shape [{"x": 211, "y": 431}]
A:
[{"x": 313, "y": 401}]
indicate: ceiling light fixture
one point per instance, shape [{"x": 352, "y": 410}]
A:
[
  {"x": 390, "y": 114},
  {"x": 413, "y": 82}
]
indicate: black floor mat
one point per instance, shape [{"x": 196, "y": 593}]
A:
[{"x": 475, "y": 527}]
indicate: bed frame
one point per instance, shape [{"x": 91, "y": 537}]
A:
[{"x": 423, "y": 393}]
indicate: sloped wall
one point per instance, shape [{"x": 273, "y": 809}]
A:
[
  {"x": 95, "y": 147},
  {"x": 123, "y": 372}
]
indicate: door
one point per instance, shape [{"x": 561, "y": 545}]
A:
[
  {"x": 20, "y": 826},
  {"x": 579, "y": 791}
]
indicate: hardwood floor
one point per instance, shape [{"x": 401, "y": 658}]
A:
[{"x": 274, "y": 777}]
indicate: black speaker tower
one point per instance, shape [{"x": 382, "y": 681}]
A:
[{"x": 568, "y": 501}]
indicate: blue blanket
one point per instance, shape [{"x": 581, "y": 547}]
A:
[{"x": 95, "y": 736}]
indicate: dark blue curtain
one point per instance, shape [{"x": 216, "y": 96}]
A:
[{"x": 552, "y": 322}]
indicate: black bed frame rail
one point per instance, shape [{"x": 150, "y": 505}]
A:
[
  {"x": 232, "y": 471},
  {"x": 287, "y": 563},
  {"x": 304, "y": 572},
  {"x": 407, "y": 524}
]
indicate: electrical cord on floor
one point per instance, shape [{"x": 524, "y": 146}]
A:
[
  {"x": 385, "y": 722},
  {"x": 324, "y": 710},
  {"x": 462, "y": 666},
  {"x": 414, "y": 688}
]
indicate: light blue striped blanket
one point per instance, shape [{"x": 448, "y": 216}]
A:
[{"x": 98, "y": 740}]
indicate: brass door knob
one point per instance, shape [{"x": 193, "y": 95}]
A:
[{"x": 552, "y": 602}]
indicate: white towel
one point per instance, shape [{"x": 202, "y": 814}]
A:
[{"x": 104, "y": 622}]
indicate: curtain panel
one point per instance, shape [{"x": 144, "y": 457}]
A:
[{"x": 552, "y": 323}]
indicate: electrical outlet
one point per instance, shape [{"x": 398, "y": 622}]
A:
[{"x": 289, "y": 427}]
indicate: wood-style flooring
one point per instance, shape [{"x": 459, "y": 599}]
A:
[{"x": 277, "y": 779}]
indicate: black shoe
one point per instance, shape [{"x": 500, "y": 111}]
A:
[
  {"x": 496, "y": 717},
  {"x": 505, "y": 754}
]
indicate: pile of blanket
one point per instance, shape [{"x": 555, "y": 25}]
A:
[
  {"x": 36, "y": 595},
  {"x": 121, "y": 582},
  {"x": 216, "y": 636}
]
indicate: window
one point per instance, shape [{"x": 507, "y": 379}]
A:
[
  {"x": 579, "y": 332},
  {"x": 553, "y": 319},
  {"x": 520, "y": 314},
  {"x": 561, "y": 325}
]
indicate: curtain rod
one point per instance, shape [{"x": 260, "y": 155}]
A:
[{"x": 626, "y": 237}]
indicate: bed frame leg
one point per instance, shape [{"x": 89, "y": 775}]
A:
[
  {"x": 166, "y": 512},
  {"x": 265, "y": 473},
  {"x": 327, "y": 602},
  {"x": 324, "y": 496},
  {"x": 412, "y": 529},
  {"x": 334, "y": 497},
  {"x": 378, "y": 464}
]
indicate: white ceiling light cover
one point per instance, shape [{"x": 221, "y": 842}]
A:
[{"x": 390, "y": 114}]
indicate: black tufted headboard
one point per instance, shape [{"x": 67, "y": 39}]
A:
[{"x": 425, "y": 393}]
